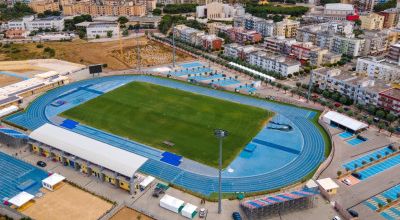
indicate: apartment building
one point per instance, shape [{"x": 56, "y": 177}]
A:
[
  {"x": 372, "y": 21},
  {"x": 30, "y": 23},
  {"x": 394, "y": 53},
  {"x": 237, "y": 51},
  {"x": 391, "y": 17},
  {"x": 249, "y": 22},
  {"x": 275, "y": 63},
  {"x": 349, "y": 46},
  {"x": 379, "y": 68},
  {"x": 128, "y": 9},
  {"x": 287, "y": 28},
  {"x": 357, "y": 87},
  {"x": 198, "y": 38},
  {"x": 390, "y": 100},
  {"x": 309, "y": 33},
  {"x": 39, "y": 6},
  {"x": 241, "y": 35},
  {"x": 306, "y": 52},
  {"x": 278, "y": 44},
  {"x": 375, "y": 43}
]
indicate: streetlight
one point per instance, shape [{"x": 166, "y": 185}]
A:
[{"x": 220, "y": 134}]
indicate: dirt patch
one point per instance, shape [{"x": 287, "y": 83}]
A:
[
  {"x": 128, "y": 213},
  {"x": 68, "y": 202},
  {"x": 7, "y": 80},
  {"x": 83, "y": 52}
]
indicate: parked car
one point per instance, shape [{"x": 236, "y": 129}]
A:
[
  {"x": 41, "y": 163},
  {"x": 236, "y": 216},
  {"x": 346, "y": 181},
  {"x": 336, "y": 218},
  {"x": 346, "y": 108},
  {"x": 376, "y": 119},
  {"x": 353, "y": 213},
  {"x": 203, "y": 213},
  {"x": 337, "y": 105}
]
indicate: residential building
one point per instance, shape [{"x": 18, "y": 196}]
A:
[
  {"x": 372, "y": 21},
  {"x": 212, "y": 42},
  {"x": 249, "y": 22},
  {"x": 278, "y": 44},
  {"x": 338, "y": 11},
  {"x": 375, "y": 43},
  {"x": 187, "y": 34},
  {"x": 394, "y": 53},
  {"x": 349, "y": 46},
  {"x": 276, "y": 63},
  {"x": 379, "y": 68},
  {"x": 240, "y": 35},
  {"x": 30, "y": 23},
  {"x": 219, "y": 11},
  {"x": 357, "y": 87},
  {"x": 393, "y": 35},
  {"x": 128, "y": 9},
  {"x": 306, "y": 52},
  {"x": 390, "y": 100},
  {"x": 330, "y": 58},
  {"x": 287, "y": 28},
  {"x": 324, "y": 39},
  {"x": 198, "y": 38},
  {"x": 39, "y": 6},
  {"x": 391, "y": 17},
  {"x": 98, "y": 29},
  {"x": 237, "y": 51}
]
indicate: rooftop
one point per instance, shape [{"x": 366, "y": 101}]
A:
[
  {"x": 327, "y": 183},
  {"x": 339, "y": 6},
  {"x": 393, "y": 92}
]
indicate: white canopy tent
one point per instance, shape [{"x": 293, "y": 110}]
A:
[
  {"x": 8, "y": 110},
  {"x": 146, "y": 182},
  {"x": 262, "y": 75},
  {"x": 105, "y": 155},
  {"x": 21, "y": 199},
  {"x": 189, "y": 211},
  {"x": 344, "y": 121},
  {"x": 51, "y": 181},
  {"x": 171, "y": 203}
]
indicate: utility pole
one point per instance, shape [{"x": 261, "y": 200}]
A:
[
  {"x": 220, "y": 134},
  {"x": 310, "y": 85}
]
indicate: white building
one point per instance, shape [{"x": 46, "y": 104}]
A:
[
  {"x": 270, "y": 62},
  {"x": 379, "y": 68},
  {"x": 338, "y": 11},
  {"x": 219, "y": 11},
  {"x": 30, "y": 23},
  {"x": 101, "y": 29}
]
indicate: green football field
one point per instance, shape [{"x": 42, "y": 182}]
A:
[{"x": 152, "y": 114}]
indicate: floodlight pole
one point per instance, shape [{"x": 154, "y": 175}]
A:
[
  {"x": 173, "y": 46},
  {"x": 310, "y": 85},
  {"x": 138, "y": 48},
  {"x": 220, "y": 134}
]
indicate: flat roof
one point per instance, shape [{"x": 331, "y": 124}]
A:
[
  {"x": 54, "y": 179},
  {"x": 339, "y": 6},
  {"x": 327, "y": 184},
  {"x": 393, "y": 93},
  {"x": 110, "y": 157},
  {"x": 345, "y": 120},
  {"x": 21, "y": 198}
]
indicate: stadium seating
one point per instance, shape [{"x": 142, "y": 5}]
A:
[{"x": 391, "y": 213}]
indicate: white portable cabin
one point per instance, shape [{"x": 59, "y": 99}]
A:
[
  {"x": 189, "y": 211},
  {"x": 171, "y": 203},
  {"x": 52, "y": 181},
  {"x": 146, "y": 182}
]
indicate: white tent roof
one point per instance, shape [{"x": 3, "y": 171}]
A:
[
  {"x": 346, "y": 121},
  {"x": 54, "y": 179},
  {"x": 147, "y": 181},
  {"x": 8, "y": 110},
  {"x": 110, "y": 157},
  {"x": 170, "y": 202},
  {"x": 252, "y": 71},
  {"x": 311, "y": 184},
  {"x": 21, "y": 198},
  {"x": 327, "y": 184},
  {"x": 188, "y": 210}
]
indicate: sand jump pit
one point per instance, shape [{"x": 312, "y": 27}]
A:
[{"x": 67, "y": 202}]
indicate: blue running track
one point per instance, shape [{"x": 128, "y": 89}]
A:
[{"x": 310, "y": 155}]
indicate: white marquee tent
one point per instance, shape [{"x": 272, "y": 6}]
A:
[
  {"x": 171, "y": 203},
  {"x": 189, "y": 211},
  {"x": 21, "y": 199},
  {"x": 344, "y": 121}
]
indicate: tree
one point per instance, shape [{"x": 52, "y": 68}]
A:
[
  {"x": 109, "y": 34},
  {"x": 335, "y": 96},
  {"x": 157, "y": 11},
  {"x": 383, "y": 6},
  {"x": 122, "y": 20},
  {"x": 360, "y": 107},
  {"x": 343, "y": 99},
  {"x": 391, "y": 130},
  {"x": 381, "y": 126},
  {"x": 357, "y": 22},
  {"x": 125, "y": 32},
  {"x": 372, "y": 109},
  {"x": 380, "y": 114},
  {"x": 286, "y": 88},
  {"x": 326, "y": 94},
  {"x": 391, "y": 117},
  {"x": 298, "y": 84},
  {"x": 369, "y": 120},
  {"x": 339, "y": 173},
  {"x": 97, "y": 36}
]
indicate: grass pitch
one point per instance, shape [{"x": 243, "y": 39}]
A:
[{"x": 152, "y": 114}]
